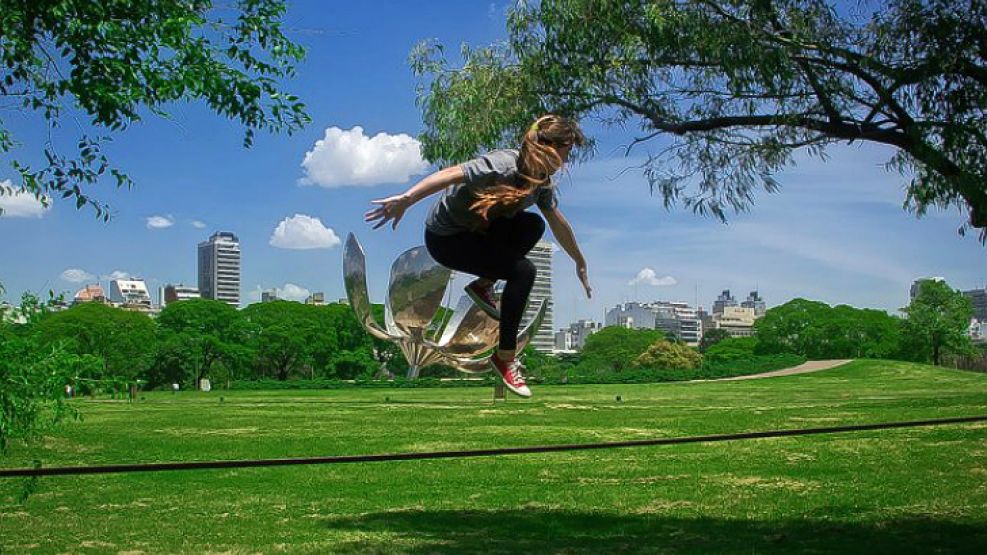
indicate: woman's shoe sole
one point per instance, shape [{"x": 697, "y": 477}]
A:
[{"x": 486, "y": 308}]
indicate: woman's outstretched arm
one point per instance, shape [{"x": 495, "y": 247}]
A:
[
  {"x": 567, "y": 240},
  {"x": 392, "y": 208}
]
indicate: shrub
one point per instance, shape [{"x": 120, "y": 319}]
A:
[{"x": 668, "y": 355}]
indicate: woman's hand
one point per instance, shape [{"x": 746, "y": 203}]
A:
[
  {"x": 584, "y": 278},
  {"x": 390, "y": 209}
]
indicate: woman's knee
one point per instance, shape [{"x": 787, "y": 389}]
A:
[
  {"x": 533, "y": 224},
  {"x": 524, "y": 271}
]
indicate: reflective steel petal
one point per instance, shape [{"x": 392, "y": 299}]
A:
[
  {"x": 355, "y": 283},
  {"x": 470, "y": 332},
  {"x": 531, "y": 328},
  {"x": 415, "y": 293}
]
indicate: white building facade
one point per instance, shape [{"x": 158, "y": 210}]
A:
[
  {"x": 541, "y": 256},
  {"x": 677, "y": 318},
  {"x": 219, "y": 268},
  {"x": 737, "y": 321},
  {"x": 131, "y": 293},
  {"x": 573, "y": 338}
]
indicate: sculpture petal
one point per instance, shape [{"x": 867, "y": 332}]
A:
[
  {"x": 482, "y": 364},
  {"x": 470, "y": 332},
  {"x": 531, "y": 328},
  {"x": 417, "y": 286},
  {"x": 355, "y": 283}
]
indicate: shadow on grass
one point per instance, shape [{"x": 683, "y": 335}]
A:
[{"x": 544, "y": 531}]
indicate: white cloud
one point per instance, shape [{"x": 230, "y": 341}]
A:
[
  {"x": 290, "y": 292},
  {"x": 351, "y": 158},
  {"x": 20, "y": 203},
  {"x": 116, "y": 274},
  {"x": 649, "y": 277},
  {"x": 293, "y": 292},
  {"x": 75, "y": 275},
  {"x": 303, "y": 232},
  {"x": 198, "y": 225},
  {"x": 160, "y": 222}
]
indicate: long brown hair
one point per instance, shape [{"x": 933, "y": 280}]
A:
[{"x": 537, "y": 161}]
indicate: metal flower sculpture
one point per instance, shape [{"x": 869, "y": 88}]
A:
[{"x": 417, "y": 285}]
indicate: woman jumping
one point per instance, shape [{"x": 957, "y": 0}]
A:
[{"x": 479, "y": 226}]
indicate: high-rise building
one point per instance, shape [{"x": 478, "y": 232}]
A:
[
  {"x": 979, "y": 299},
  {"x": 130, "y": 293},
  {"x": 219, "y": 268},
  {"x": 690, "y": 325},
  {"x": 631, "y": 315},
  {"x": 755, "y": 301},
  {"x": 173, "y": 293},
  {"x": 563, "y": 341},
  {"x": 541, "y": 256},
  {"x": 724, "y": 300},
  {"x": 574, "y": 337},
  {"x": 318, "y": 299},
  {"x": 736, "y": 320},
  {"x": 269, "y": 296},
  {"x": 705, "y": 320}
]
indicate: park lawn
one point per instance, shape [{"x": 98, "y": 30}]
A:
[{"x": 919, "y": 490}]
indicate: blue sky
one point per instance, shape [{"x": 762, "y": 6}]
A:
[{"x": 836, "y": 231}]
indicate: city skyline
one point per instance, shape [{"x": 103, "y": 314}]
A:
[
  {"x": 835, "y": 232},
  {"x": 293, "y": 293}
]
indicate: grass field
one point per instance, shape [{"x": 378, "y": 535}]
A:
[{"x": 920, "y": 490}]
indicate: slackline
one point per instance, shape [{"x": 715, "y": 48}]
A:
[{"x": 202, "y": 465}]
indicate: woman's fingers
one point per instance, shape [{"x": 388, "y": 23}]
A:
[
  {"x": 390, "y": 210},
  {"x": 584, "y": 278}
]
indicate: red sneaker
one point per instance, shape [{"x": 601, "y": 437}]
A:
[
  {"x": 510, "y": 372},
  {"x": 484, "y": 298}
]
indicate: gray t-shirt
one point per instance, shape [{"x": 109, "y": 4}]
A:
[{"x": 451, "y": 214}]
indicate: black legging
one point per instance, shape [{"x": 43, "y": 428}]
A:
[{"x": 497, "y": 253}]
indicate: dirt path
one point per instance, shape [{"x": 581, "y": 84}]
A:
[{"x": 805, "y": 368}]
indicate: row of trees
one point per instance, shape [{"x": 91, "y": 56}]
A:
[
  {"x": 201, "y": 338},
  {"x": 935, "y": 323}
]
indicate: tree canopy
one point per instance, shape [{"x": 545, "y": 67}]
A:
[
  {"x": 728, "y": 90},
  {"x": 197, "y": 334},
  {"x": 615, "y": 348},
  {"x": 669, "y": 355},
  {"x": 113, "y": 61},
  {"x": 33, "y": 374},
  {"x": 818, "y": 331},
  {"x": 937, "y": 320},
  {"x": 290, "y": 337},
  {"x": 123, "y": 340}
]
